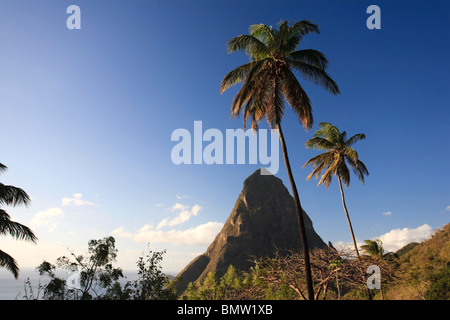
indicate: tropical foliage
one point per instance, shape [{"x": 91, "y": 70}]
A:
[
  {"x": 414, "y": 272},
  {"x": 12, "y": 196},
  {"x": 336, "y": 275},
  {"x": 423, "y": 269},
  {"x": 373, "y": 248},
  {"x": 94, "y": 277}
]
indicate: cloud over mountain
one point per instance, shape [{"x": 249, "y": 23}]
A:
[
  {"x": 397, "y": 238},
  {"x": 198, "y": 235}
]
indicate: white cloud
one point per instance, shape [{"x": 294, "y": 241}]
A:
[
  {"x": 198, "y": 235},
  {"x": 178, "y": 206},
  {"x": 397, "y": 238},
  {"x": 184, "y": 215},
  {"x": 76, "y": 200},
  {"x": 448, "y": 208},
  {"x": 47, "y": 218},
  {"x": 201, "y": 234},
  {"x": 387, "y": 213},
  {"x": 182, "y": 197},
  {"x": 394, "y": 239},
  {"x": 120, "y": 232}
]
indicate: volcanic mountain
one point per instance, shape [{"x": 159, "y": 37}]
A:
[{"x": 263, "y": 221}]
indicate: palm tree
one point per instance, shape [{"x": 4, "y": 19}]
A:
[
  {"x": 269, "y": 79},
  {"x": 338, "y": 154},
  {"x": 373, "y": 248},
  {"x": 10, "y": 195}
]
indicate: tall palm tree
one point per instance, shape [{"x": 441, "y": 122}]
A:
[
  {"x": 269, "y": 80},
  {"x": 13, "y": 196},
  {"x": 338, "y": 154}
]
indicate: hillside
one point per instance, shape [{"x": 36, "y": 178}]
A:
[{"x": 424, "y": 269}]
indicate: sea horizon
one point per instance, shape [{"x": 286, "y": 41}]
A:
[{"x": 14, "y": 289}]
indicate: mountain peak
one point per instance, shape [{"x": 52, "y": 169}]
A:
[
  {"x": 261, "y": 176},
  {"x": 262, "y": 222}
]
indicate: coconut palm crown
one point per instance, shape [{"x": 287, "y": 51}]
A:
[
  {"x": 269, "y": 78},
  {"x": 338, "y": 154},
  {"x": 373, "y": 248}
]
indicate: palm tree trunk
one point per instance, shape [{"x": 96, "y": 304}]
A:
[
  {"x": 351, "y": 228},
  {"x": 300, "y": 218},
  {"x": 348, "y": 217}
]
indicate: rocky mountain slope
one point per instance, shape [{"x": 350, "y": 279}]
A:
[{"x": 262, "y": 221}]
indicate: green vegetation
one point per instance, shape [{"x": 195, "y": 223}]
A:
[
  {"x": 335, "y": 274},
  {"x": 421, "y": 273},
  {"x": 424, "y": 269},
  {"x": 93, "y": 277},
  {"x": 269, "y": 80},
  {"x": 12, "y": 196},
  {"x": 373, "y": 248}
]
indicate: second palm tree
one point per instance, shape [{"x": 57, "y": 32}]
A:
[{"x": 338, "y": 154}]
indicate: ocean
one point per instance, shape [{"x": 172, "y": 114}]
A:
[
  {"x": 14, "y": 289},
  {"x": 11, "y": 288}
]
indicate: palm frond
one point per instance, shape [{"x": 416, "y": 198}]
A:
[
  {"x": 350, "y": 153},
  {"x": 15, "y": 229},
  {"x": 344, "y": 173},
  {"x": 373, "y": 248},
  {"x": 3, "y": 168},
  {"x": 256, "y": 106},
  {"x": 289, "y": 36},
  {"x": 310, "y": 56},
  {"x": 332, "y": 169},
  {"x": 8, "y": 262},
  {"x": 315, "y": 75},
  {"x": 262, "y": 32},
  {"x": 275, "y": 100},
  {"x": 355, "y": 138},
  {"x": 253, "y": 92},
  {"x": 237, "y": 75},
  {"x": 329, "y": 132},
  {"x": 276, "y": 44},
  {"x": 319, "y": 143},
  {"x": 252, "y": 46},
  {"x": 359, "y": 168},
  {"x": 314, "y": 161},
  {"x": 10, "y": 195},
  {"x": 297, "y": 98},
  {"x": 302, "y": 28},
  {"x": 321, "y": 165},
  {"x": 253, "y": 78}
]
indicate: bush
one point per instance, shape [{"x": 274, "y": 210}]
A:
[{"x": 440, "y": 287}]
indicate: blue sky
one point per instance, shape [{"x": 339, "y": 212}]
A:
[{"x": 87, "y": 117}]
